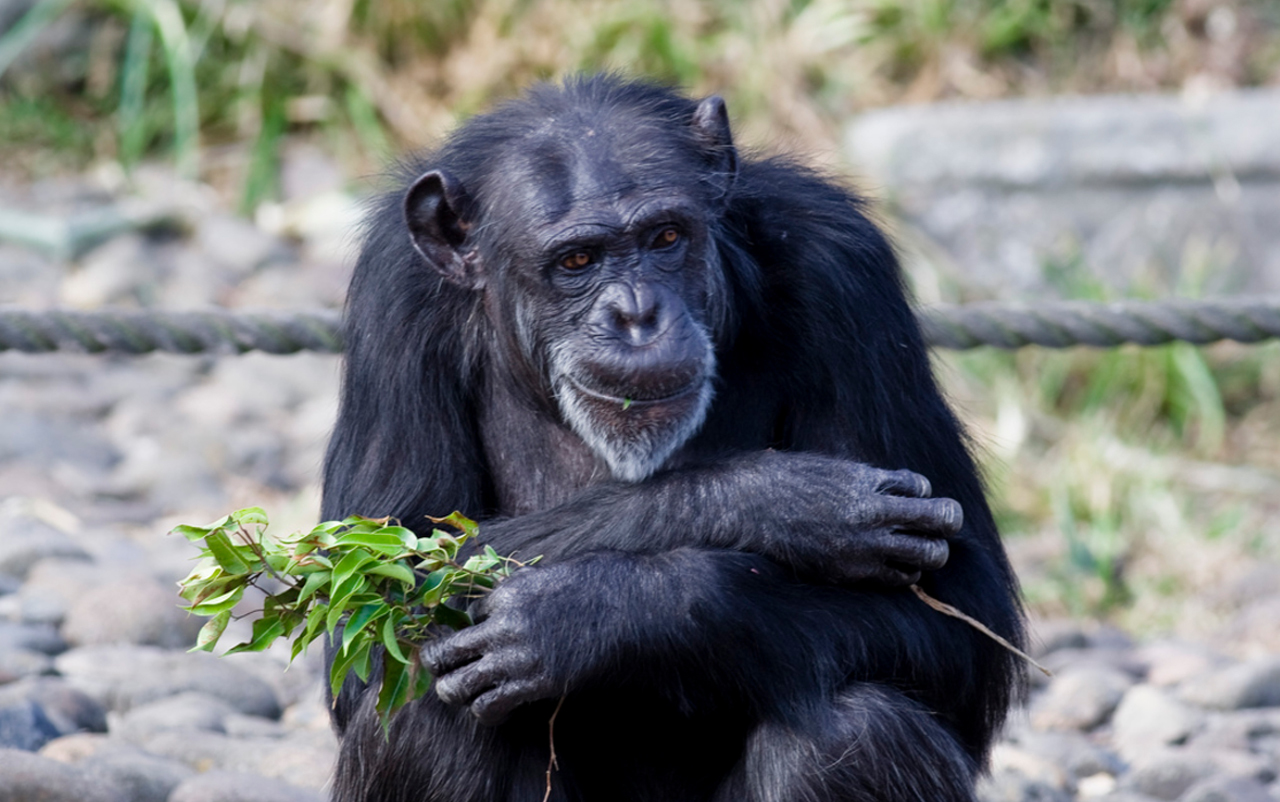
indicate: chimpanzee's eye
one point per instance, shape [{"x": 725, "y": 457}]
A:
[
  {"x": 667, "y": 237},
  {"x": 576, "y": 260}
]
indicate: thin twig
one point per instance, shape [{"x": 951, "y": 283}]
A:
[
  {"x": 551, "y": 736},
  {"x": 947, "y": 609}
]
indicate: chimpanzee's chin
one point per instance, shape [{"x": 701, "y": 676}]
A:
[{"x": 634, "y": 437}]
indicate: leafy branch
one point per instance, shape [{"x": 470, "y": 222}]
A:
[{"x": 382, "y": 583}]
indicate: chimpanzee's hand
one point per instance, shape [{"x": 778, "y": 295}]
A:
[
  {"x": 845, "y": 521},
  {"x": 504, "y": 660}
]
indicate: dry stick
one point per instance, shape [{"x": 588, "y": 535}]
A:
[
  {"x": 947, "y": 609},
  {"x": 551, "y": 736}
]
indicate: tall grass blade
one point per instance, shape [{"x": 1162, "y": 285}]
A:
[{"x": 24, "y": 32}]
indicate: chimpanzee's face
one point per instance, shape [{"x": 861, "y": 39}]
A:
[{"x": 599, "y": 274}]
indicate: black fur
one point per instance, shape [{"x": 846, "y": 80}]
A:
[{"x": 735, "y": 625}]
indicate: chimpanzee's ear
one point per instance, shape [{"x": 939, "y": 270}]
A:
[
  {"x": 711, "y": 127},
  {"x": 438, "y": 211}
]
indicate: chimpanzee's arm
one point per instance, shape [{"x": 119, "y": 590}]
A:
[
  {"x": 823, "y": 517},
  {"x": 706, "y": 627}
]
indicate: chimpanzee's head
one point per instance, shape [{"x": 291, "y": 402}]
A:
[{"x": 586, "y": 217}]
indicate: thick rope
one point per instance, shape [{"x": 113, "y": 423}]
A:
[
  {"x": 140, "y": 332},
  {"x": 1053, "y": 325},
  {"x": 1063, "y": 324}
]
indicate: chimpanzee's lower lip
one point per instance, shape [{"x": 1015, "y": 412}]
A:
[{"x": 635, "y": 403}]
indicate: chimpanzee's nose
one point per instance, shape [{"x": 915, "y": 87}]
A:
[{"x": 634, "y": 313}]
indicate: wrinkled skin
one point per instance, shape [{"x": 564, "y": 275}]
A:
[{"x": 692, "y": 384}]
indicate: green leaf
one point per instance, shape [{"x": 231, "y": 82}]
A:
[
  {"x": 397, "y": 683},
  {"x": 397, "y": 570},
  {"x": 250, "y": 516},
  {"x": 361, "y": 663},
  {"x": 359, "y": 620},
  {"x": 380, "y": 541},
  {"x": 389, "y": 641},
  {"x": 211, "y": 631},
  {"x": 459, "y": 521},
  {"x": 219, "y": 604},
  {"x": 348, "y": 565},
  {"x": 192, "y": 533},
  {"x": 450, "y": 617},
  {"x": 265, "y": 631},
  {"x": 339, "y": 670},
  {"x": 225, "y": 553},
  {"x": 313, "y": 583}
]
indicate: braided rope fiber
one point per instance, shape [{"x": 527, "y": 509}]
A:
[
  {"x": 1059, "y": 324},
  {"x": 219, "y": 331}
]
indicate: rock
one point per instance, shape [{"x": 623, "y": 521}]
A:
[
  {"x": 1119, "y": 658},
  {"x": 302, "y": 759},
  {"x": 1050, "y": 636},
  {"x": 1080, "y": 698},
  {"x": 222, "y": 786},
  {"x": 130, "y": 609},
  {"x": 142, "y": 777},
  {"x": 77, "y": 747},
  {"x": 1147, "y": 718},
  {"x": 24, "y": 725},
  {"x": 192, "y": 710},
  {"x": 67, "y": 708},
  {"x": 1116, "y": 183},
  {"x": 1172, "y": 662},
  {"x": 1010, "y": 786},
  {"x": 1255, "y": 683},
  {"x": 16, "y": 663},
  {"x": 237, "y": 245},
  {"x": 1033, "y": 767},
  {"x": 32, "y": 637},
  {"x": 26, "y": 777},
  {"x": 1167, "y": 773},
  {"x": 1072, "y": 751},
  {"x": 123, "y": 270},
  {"x": 26, "y": 540},
  {"x": 123, "y": 677},
  {"x": 1227, "y": 789}
]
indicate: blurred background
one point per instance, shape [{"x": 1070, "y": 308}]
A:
[{"x": 179, "y": 153}]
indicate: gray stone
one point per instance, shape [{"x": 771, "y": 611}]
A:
[
  {"x": 1050, "y": 636},
  {"x": 1168, "y": 773},
  {"x": 192, "y": 710},
  {"x": 1119, "y": 658},
  {"x": 236, "y": 244},
  {"x": 1122, "y": 182},
  {"x": 24, "y": 725},
  {"x": 32, "y": 637},
  {"x": 16, "y": 663},
  {"x": 1227, "y": 789},
  {"x": 1174, "y": 662},
  {"x": 1147, "y": 718},
  {"x": 25, "y": 540},
  {"x": 223, "y": 786},
  {"x": 130, "y": 609},
  {"x": 141, "y": 777},
  {"x": 1080, "y": 698},
  {"x": 1072, "y": 751},
  {"x": 67, "y": 708},
  {"x": 1255, "y": 683},
  {"x": 123, "y": 677},
  {"x": 303, "y": 759},
  {"x": 1010, "y": 786},
  {"x": 26, "y": 777}
]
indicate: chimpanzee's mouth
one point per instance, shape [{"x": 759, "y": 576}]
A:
[{"x": 636, "y": 401}]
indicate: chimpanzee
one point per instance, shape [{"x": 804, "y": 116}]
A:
[{"x": 690, "y": 381}]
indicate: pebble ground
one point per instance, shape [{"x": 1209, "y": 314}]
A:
[{"x": 101, "y": 455}]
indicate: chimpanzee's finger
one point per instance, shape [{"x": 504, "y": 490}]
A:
[
  {"x": 935, "y": 517},
  {"x": 904, "y": 483},
  {"x": 494, "y": 707},
  {"x": 465, "y": 684},
  {"x": 446, "y": 654}
]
